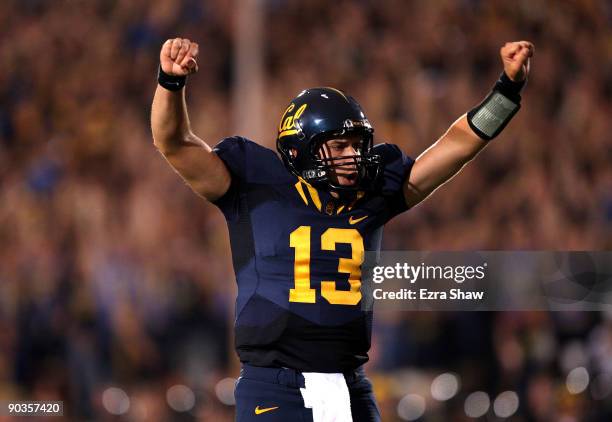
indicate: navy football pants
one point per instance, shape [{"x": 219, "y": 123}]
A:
[{"x": 273, "y": 395}]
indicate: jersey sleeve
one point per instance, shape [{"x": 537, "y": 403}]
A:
[
  {"x": 233, "y": 152},
  {"x": 396, "y": 169},
  {"x": 250, "y": 165}
]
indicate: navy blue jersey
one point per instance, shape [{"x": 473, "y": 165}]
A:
[{"x": 297, "y": 254}]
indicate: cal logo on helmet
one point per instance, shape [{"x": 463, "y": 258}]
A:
[{"x": 288, "y": 124}]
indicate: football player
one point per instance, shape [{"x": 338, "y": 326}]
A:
[{"x": 300, "y": 221}]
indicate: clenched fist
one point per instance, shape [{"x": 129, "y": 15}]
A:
[
  {"x": 178, "y": 57},
  {"x": 515, "y": 56}
]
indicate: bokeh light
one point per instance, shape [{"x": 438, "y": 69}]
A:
[
  {"x": 577, "y": 380},
  {"x": 225, "y": 391},
  {"x": 180, "y": 398},
  {"x": 115, "y": 401},
  {"x": 444, "y": 386},
  {"x": 477, "y": 404},
  {"x": 506, "y": 404},
  {"x": 411, "y": 407}
]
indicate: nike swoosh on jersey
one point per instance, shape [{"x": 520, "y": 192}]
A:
[
  {"x": 259, "y": 411},
  {"x": 356, "y": 220}
]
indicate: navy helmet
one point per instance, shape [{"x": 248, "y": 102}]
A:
[{"x": 315, "y": 116}]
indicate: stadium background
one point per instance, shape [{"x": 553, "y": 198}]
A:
[{"x": 116, "y": 290}]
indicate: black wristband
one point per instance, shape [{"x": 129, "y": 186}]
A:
[
  {"x": 170, "y": 82},
  {"x": 509, "y": 88}
]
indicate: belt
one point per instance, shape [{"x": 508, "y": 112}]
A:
[{"x": 288, "y": 376}]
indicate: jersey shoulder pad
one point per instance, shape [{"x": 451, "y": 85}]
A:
[
  {"x": 396, "y": 167},
  {"x": 250, "y": 162}
]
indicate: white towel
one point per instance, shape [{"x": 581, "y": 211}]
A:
[{"x": 328, "y": 397}]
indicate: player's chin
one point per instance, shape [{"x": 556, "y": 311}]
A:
[{"x": 348, "y": 180}]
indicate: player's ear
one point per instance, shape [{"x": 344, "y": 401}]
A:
[{"x": 293, "y": 152}]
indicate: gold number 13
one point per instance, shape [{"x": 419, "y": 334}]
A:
[{"x": 303, "y": 293}]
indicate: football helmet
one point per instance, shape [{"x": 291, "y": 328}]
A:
[{"x": 315, "y": 116}]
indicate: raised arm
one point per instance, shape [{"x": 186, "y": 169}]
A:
[
  {"x": 467, "y": 136},
  {"x": 188, "y": 155}
]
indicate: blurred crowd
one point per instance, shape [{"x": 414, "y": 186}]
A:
[{"x": 116, "y": 281}]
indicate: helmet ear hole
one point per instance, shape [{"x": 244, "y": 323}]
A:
[{"x": 293, "y": 152}]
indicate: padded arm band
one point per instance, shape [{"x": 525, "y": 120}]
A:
[{"x": 491, "y": 116}]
